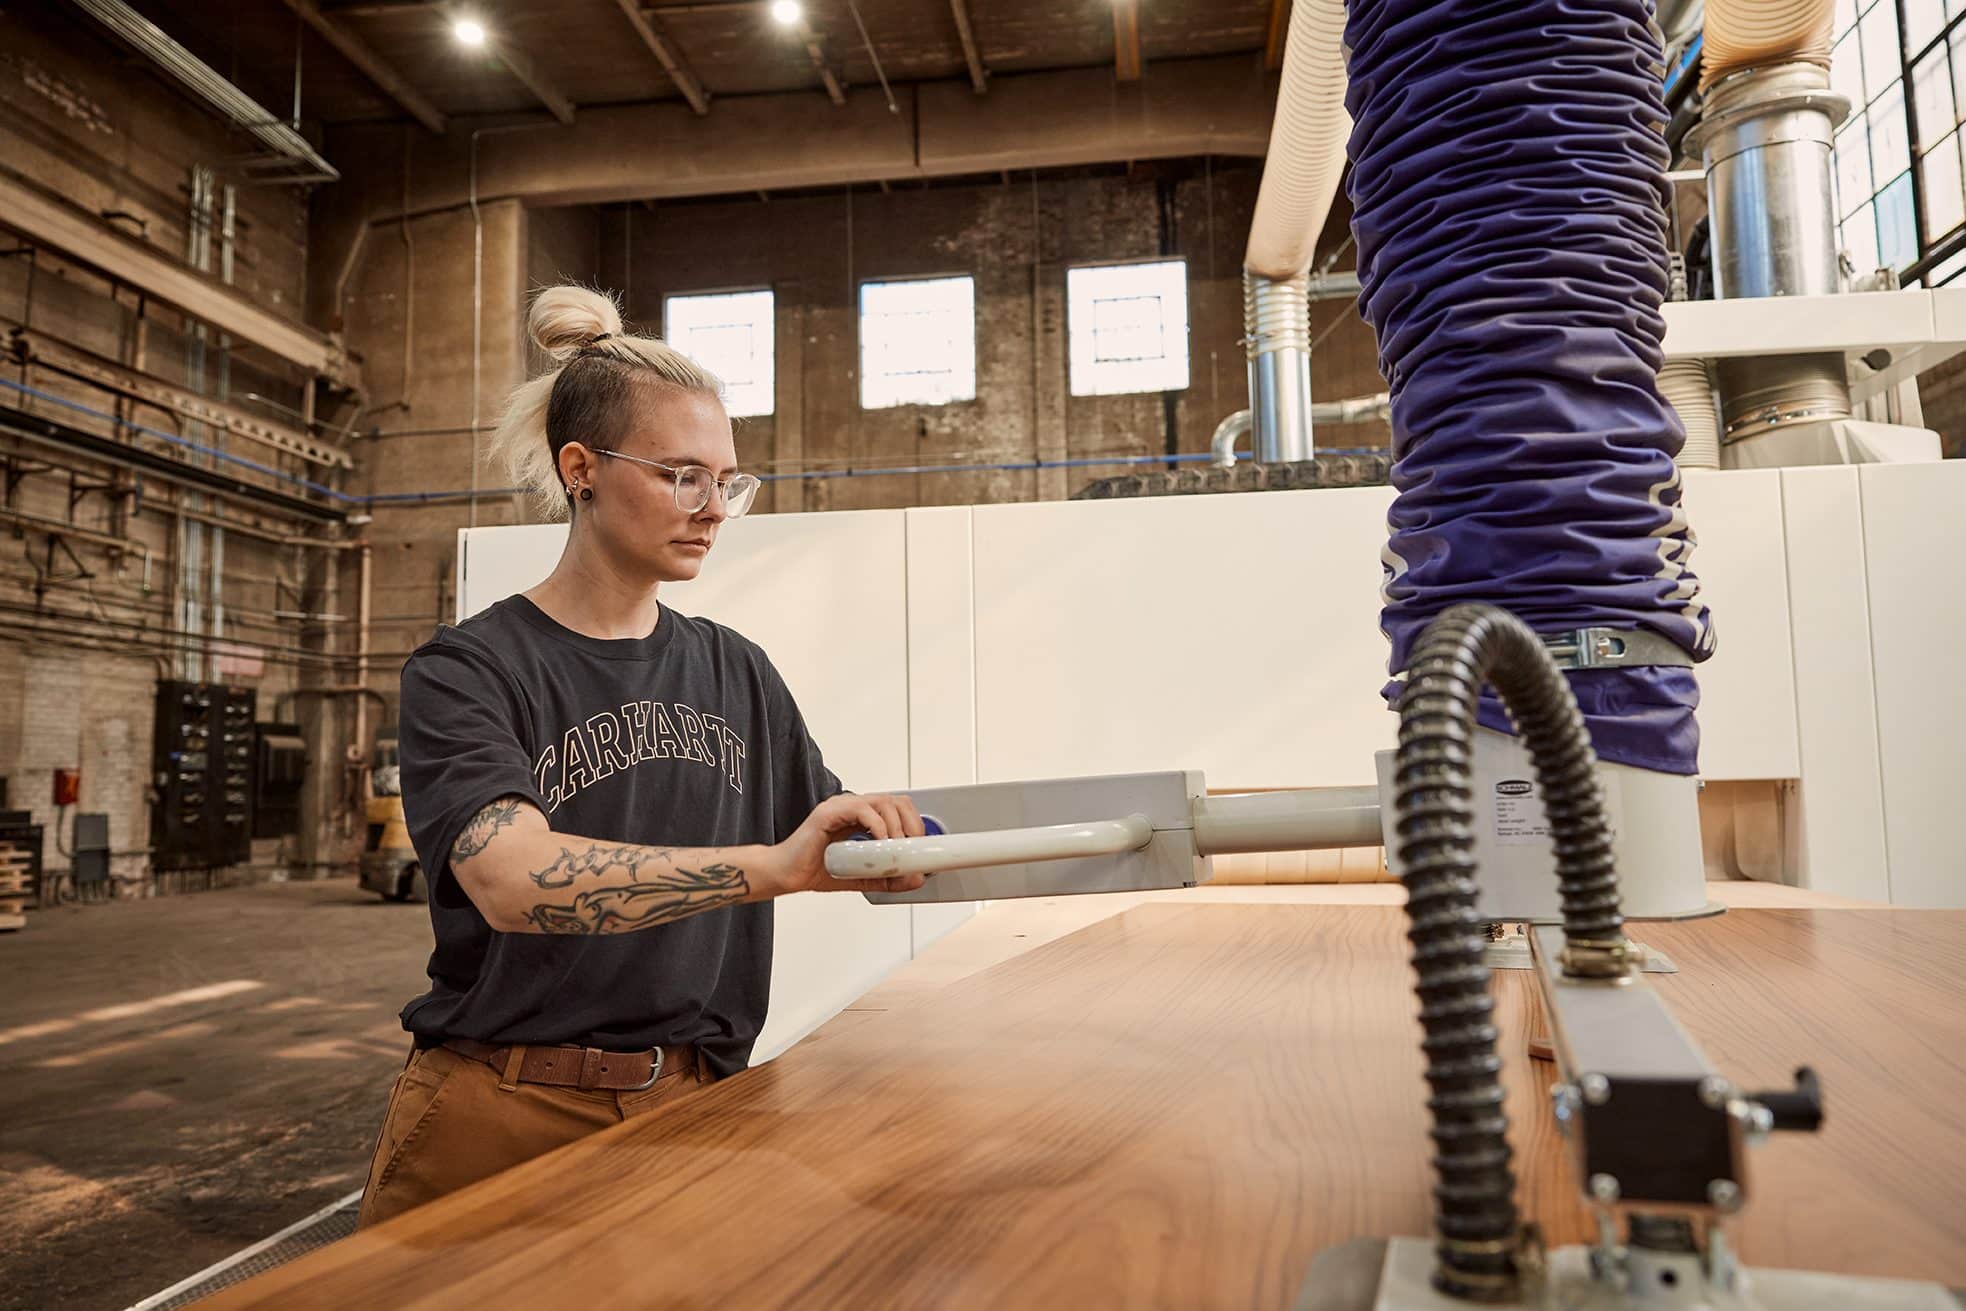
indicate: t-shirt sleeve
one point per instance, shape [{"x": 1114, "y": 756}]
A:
[
  {"x": 800, "y": 777},
  {"x": 458, "y": 741}
]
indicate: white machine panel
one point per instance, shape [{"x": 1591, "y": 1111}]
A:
[
  {"x": 1236, "y": 635},
  {"x": 1836, "y": 814},
  {"x": 1747, "y": 689},
  {"x": 1913, "y": 557}
]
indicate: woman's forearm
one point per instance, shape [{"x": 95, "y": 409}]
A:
[{"x": 526, "y": 878}]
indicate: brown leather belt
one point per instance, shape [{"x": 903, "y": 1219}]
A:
[{"x": 585, "y": 1068}]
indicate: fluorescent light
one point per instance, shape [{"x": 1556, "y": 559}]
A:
[
  {"x": 787, "y": 12},
  {"x": 468, "y": 31}
]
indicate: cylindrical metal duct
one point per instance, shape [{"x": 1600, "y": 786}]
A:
[
  {"x": 1764, "y": 140},
  {"x": 1760, "y": 394},
  {"x": 1277, "y": 336},
  {"x": 1688, "y": 388}
]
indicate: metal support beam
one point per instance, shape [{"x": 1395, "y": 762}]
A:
[
  {"x": 54, "y": 222},
  {"x": 378, "y": 70},
  {"x": 1126, "y": 40},
  {"x": 979, "y": 77},
  {"x": 45, "y": 431},
  {"x": 1279, "y": 29},
  {"x": 643, "y": 21}
]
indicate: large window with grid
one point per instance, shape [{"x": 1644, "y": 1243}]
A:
[
  {"x": 730, "y": 334},
  {"x": 1900, "y": 198},
  {"x": 917, "y": 342},
  {"x": 1128, "y": 327}
]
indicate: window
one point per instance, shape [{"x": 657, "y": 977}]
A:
[
  {"x": 917, "y": 342},
  {"x": 730, "y": 334},
  {"x": 1129, "y": 327},
  {"x": 1900, "y": 193}
]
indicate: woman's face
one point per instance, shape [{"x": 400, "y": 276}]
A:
[{"x": 634, "y": 510}]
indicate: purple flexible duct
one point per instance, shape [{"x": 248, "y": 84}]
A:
[{"x": 1508, "y": 203}]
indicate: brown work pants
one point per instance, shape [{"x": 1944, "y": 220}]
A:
[{"x": 453, "y": 1121}]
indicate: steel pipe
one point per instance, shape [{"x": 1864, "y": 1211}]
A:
[
  {"x": 1310, "y": 819},
  {"x": 1277, "y": 339}
]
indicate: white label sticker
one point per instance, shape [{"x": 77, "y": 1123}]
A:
[
  {"x": 1521, "y": 821},
  {"x": 1519, "y": 817}
]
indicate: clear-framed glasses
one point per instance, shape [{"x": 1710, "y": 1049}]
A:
[{"x": 693, "y": 485}]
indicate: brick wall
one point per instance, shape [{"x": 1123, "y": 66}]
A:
[{"x": 89, "y": 626}]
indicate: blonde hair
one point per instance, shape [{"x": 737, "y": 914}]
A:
[{"x": 601, "y": 379}]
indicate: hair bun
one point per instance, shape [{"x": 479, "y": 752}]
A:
[{"x": 566, "y": 319}]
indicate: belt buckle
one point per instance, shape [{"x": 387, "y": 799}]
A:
[{"x": 655, "y": 1071}]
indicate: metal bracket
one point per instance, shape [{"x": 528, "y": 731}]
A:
[{"x": 1612, "y": 648}]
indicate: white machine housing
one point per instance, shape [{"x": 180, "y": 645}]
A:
[{"x": 1656, "y": 818}]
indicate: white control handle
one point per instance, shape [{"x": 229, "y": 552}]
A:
[{"x": 886, "y": 858}]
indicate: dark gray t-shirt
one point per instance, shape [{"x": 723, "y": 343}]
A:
[{"x": 687, "y": 738}]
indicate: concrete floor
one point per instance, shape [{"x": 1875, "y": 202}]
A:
[{"x": 183, "y": 1076}]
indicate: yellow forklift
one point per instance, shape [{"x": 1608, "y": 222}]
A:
[{"x": 389, "y": 863}]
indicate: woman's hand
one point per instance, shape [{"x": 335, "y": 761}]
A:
[{"x": 801, "y": 858}]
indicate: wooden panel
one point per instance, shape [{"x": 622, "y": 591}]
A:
[
  {"x": 1914, "y": 539},
  {"x": 1033, "y": 1135}
]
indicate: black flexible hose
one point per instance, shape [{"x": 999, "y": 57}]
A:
[{"x": 1435, "y": 818}]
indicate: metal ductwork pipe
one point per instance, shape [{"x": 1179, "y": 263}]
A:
[
  {"x": 1353, "y": 409},
  {"x": 1764, "y": 141},
  {"x": 200, "y": 80},
  {"x": 1300, "y": 177},
  {"x": 1276, "y": 318}
]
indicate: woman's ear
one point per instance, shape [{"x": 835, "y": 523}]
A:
[{"x": 577, "y": 465}]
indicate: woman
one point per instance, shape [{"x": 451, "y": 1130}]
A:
[{"x": 605, "y": 794}]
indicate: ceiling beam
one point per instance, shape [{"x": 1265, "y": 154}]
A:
[
  {"x": 672, "y": 61},
  {"x": 528, "y": 72},
  {"x": 377, "y": 69},
  {"x": 1279, "y": 28},
  {"x": 834, "y": 91},
  {"x": 340, "y": 8},
  {"x": 979, "y": 76},
  {"x": 517, "y": 61},
  {"x": 1126, "y": 40}
]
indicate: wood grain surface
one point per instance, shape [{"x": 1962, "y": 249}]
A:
[{"x": 1180, "y": 1107}]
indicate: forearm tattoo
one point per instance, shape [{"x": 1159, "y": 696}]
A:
[
  {"x": 484, "y": 826},
  {"x": 650, "y": 898},
  {"x": 596, "y": 860}
]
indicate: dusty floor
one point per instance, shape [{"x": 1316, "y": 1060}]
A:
[{"x": 181, "y": 1077}]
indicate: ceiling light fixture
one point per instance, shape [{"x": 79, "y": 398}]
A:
[
  {"x": 468, "y": 31},
  {"x": 787, "y": 13}
]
